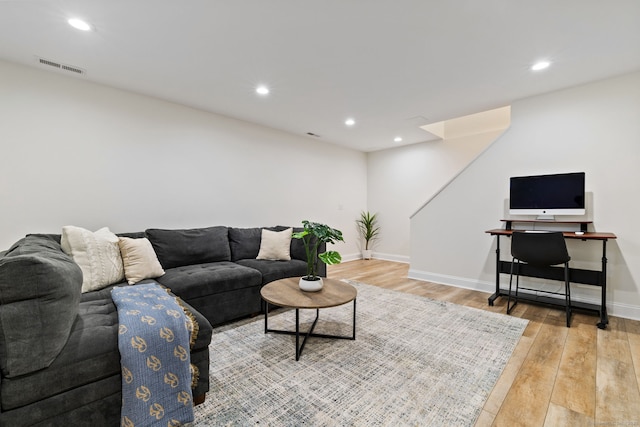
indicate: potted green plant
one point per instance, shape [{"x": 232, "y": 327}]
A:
[
  {"x": 312, "y": 235},
  {"x": 369, "y": 230}
]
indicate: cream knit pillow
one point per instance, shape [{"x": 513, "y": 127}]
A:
[{"x": 97, "y": 254}]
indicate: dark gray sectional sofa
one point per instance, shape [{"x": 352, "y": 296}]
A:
[{"x": 59, "y": 359}]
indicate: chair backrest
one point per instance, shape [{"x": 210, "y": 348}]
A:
[{"x": 539, "y": 248}]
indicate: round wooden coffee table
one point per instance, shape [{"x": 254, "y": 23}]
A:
[{"x": 287, "y": 293}]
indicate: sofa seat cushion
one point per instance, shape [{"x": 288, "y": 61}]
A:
[
  {"x": 196, "y": 281},
  {"x": 275, "y": 270},
  {"x": 176, "y": 248},
  {"x": 205, "y": 329},
  {"x": 39, "y": 296}
]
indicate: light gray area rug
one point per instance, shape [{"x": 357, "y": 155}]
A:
[{"x": 415, "y": 361}]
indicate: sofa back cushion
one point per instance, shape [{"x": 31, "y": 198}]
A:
[
  {"x": 244, "y": 242},
  {"x": 176, "y": 248},
  {"x": 132, "y": 235},
  {"x": 39, "y": 299}
]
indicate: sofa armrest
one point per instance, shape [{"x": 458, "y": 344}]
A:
[{"x": 40, "y": 295}]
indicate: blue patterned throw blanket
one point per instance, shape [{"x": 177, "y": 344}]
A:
[{"x": 154, "y": 340}]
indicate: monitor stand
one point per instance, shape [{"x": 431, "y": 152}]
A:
[{"x": 546, "y": 218}]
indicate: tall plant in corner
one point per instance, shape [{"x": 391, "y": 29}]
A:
[
  {"x": 369, "y": 230},
  {"x": 312, "y": 235}
]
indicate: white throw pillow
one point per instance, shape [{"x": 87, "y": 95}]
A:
[
  {"x": 275, "y": 245},
  {"x": 97, "y": 254},
  {"x": 139, "y": 259}
]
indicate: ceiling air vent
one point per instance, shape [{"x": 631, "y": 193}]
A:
[{"x": 61, "y": 67}]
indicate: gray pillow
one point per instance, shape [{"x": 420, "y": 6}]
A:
[
  {"x": 244, "y": 242},
  {"x": 39, "y": 299},
  {"x": 176, "y": 248}
]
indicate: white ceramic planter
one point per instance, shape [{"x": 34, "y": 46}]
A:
[
  {"x": 310, "y": 285},
  {"x": 366, "y": 254}
]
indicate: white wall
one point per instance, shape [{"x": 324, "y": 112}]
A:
[
  {"x": 592, "y": 128},
  {"x": 401, "y": 179},
  {"x": 73, "y": 152}
]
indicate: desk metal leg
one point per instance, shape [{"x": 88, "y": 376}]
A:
[
  {"x": 493, "y": 297},
  {"x": 604, "y": 317}
]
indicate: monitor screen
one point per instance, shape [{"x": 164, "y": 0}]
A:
[{"x": 557, "y": 194}]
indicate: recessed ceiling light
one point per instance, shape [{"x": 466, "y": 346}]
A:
[
  {"x": 397, "y": 139},
  {"x": 541, "y": 65},
  {"x": 79, "y": 24},
  {"x": 262, "y": 90},
  {"x": 349, "y": 122}
]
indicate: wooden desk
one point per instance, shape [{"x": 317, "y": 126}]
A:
[{"x": 587, "y": 277}]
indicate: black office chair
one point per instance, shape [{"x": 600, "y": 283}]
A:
[{"x": 539, "y": 249}]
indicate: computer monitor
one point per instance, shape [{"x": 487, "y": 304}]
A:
[{"x": 547, "y": 195}]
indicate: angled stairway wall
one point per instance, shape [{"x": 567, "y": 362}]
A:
[{"x": 399, "y": 180}]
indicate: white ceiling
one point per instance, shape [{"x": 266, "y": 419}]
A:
[{"x": 392, "y": 65}]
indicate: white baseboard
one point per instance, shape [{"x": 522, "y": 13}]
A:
[
  {"x": 391, "y": 257},
  {"x": 351, "y": 257},
  {"x": 617, "y": 309},
  {"x": 459, "y": 282},
  {"x": 377, "y": 255}
]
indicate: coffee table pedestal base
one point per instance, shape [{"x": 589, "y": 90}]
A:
[{"x": 309, "y": 333}]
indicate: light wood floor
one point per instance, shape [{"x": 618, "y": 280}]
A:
[{"x": 557, "y": 376}]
